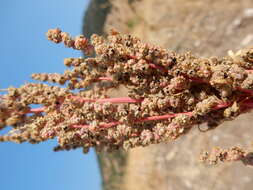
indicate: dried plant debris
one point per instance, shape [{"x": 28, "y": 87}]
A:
[
  {"x": 168, "y": 94},
  {"x": 227, "y": 155}
]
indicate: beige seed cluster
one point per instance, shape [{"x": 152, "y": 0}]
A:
[
  {"x": 168, "y": 94},
  {"x": 227, "y": 155}
]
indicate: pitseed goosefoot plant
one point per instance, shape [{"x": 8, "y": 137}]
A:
[{"x": 168, "y": 94}]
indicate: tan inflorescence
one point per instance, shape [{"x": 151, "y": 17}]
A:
[
  {"x": 227, "y": 155},
  {"x": 168, "y": 94}
]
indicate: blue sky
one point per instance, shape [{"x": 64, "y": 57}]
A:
[{"x": 24, "y": 50}]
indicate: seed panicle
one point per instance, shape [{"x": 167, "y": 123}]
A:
[{"x": 168, "y": 94}]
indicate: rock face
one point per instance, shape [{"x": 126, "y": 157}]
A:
[
  {"x": 95, "y": 17},
  {"x": 207, "y": 28}
]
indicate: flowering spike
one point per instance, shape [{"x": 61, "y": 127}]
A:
[{"x": 168, "y": 94}]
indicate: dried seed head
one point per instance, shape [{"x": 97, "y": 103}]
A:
[{"x": 168, "y": 93}]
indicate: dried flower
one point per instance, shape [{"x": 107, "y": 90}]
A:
[
  {"x": 168, "y": 94},
  {"x": 226, "y": 155}
]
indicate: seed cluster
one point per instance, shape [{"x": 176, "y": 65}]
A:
[
  {"x": 168, "y": 94},
  {"x": 227, "y": 155}
]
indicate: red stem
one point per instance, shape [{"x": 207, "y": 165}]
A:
[
  {"x": 151, "y": 118},
  {"x": 105, "y": 78},
  {"x": 108, "y": 100},
  {"x": 244, "y": 90},
  {"x": 152, "y": 65},
  {"x": 36, "y": 110}
]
